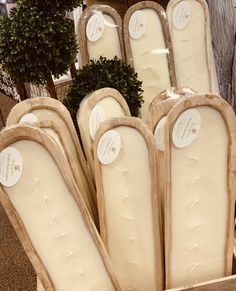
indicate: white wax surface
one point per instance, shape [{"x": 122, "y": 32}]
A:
[
  {"x": 46, "y": 114},
  {"x": 199, "y": 200},
  {"x": 49, "y": 115},
  {"x": 111, "y": 107},
  {"x": 109, "y": 44},
  {"x": 190, "y": 52},
  {"x": 150, "y": 59},
  {"x": 128, "y": 207},
  {"x": 54, "y": 223}
]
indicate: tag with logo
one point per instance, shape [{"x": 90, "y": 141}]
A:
[
  {"x": 109, "y": 147},
  {"x": 10, "y": 167}
]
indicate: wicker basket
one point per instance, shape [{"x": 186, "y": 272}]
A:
[{"x": 62, "y": 87}]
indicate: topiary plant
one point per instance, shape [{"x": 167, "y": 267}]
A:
[
  {"x": 35, "y": 45},
  {"x": 103, "y": 73},
  {"x": 56, "y": 5}
]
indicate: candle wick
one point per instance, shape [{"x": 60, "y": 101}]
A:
[
  {"x": 191, "y": 183},
  {"x": 124, "y": 197},
  {"x": 131, "y": 288},
  {"x": 71, "y": 254},
  {"x": 51, "y": 221},
  {"x": 128, "y": 218},
  {"x": 62, "y": 235},
  {"x": 195, "y": 266},
  {"x": 132, "y": 263},
  {"x": 195, "y": 159},
  {"x": 193, "y": 204},
  {"x": 78, "y": 274},
  {"x": 193, "y": 247},
  {"x": 44, "y": 201},
  {"x": 193, "y": 226},
  {"x": 131, "y": 238},
  {"x": 34, "y": 184},
  {"x": 123, "y": 171}
]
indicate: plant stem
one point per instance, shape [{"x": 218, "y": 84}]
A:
[{"x": 51, "y": 88}]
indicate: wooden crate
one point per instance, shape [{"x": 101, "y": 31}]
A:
[{"x": 223, "y": 284}]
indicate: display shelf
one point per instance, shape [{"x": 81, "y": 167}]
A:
[{"x": 223, "y": 284}]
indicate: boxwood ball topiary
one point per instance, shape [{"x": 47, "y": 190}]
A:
[
  {"x": 35, "y": 45},
  {"x": 56, "y": 5},
  {"x": 113, "y": 73}
]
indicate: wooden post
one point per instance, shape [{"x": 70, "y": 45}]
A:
[
  {"x": 20, "y": 87},
  {"x": 51, "y": 88},
  {"x": 73, "y": 71}
]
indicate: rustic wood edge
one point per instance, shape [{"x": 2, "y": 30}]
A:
[
  {"x": 166, "y": 33},
  {"x": 25, "y": 132},
  {"x": 31, "y": 104},
  {"x": 222, "y": 284},
  {"x": 168, "y": 93},
  {"x": 208, "y": 42},
  {"x": 137, "y": 124},
  {"x": 81, "y": 29},
  {"x": 28, "y": 106},
  {"x": 83, "y": 116},
  {"x": 227, "y": 113}
]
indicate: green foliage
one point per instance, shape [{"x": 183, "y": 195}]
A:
[
  {"x": 103, "y": 73},
  {"x": 35, "y": 45},
  {"x": 49, "y": 6}
]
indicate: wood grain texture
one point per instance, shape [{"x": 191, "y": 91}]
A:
[
  {"x": 84, "y": 113},
  {"x": 81, "y": 172},
  {"x": 120, "y": 6},
  {"x": 81, "y": 29},
  {"x": 217, "y": 103},
  {"x": 163, "y": 3},
  {"x": 166, "y": 32},
  {"x": 171, "y": 93},
  {"x": 208, "y": 45},
  {"x": 223, "y": 284},
  {"x": 24, "y": 132},
  {"x": 39, "y": 286},
  {"x": 158, "y": 231}
]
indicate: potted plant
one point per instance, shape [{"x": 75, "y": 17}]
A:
[
  {"x": 103, "y": 73},
  {"x": 37, "y": 42}
]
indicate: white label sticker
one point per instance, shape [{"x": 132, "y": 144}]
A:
[
  {"x": 10, "y": 167},
  {"x": 160, "y": 134},
  {"x": 137, "y": 25},
  {"x": 29, "y": 118},
  {"x": 95, "y": 27},
  {"x": 186, "y": 128},
  {"x": 109, "y": 147},
  {"x": 181, "y": 15},
  {"x": 96, "y": 118}
]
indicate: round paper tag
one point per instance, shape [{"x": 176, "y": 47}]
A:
[
  {"x": 96, "y": 118},
  {"x": 29, "y": 118},
  {"x": 186, "y": 128},
  {"x": 181, "y": 15},
  {"x": 10, "y": 167},
  {"x": 160, "y": 134},
  {"x": 95, "y": 27},
  {"x": 137, "y": 25},
  {"x": 109, "y": 147}
]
